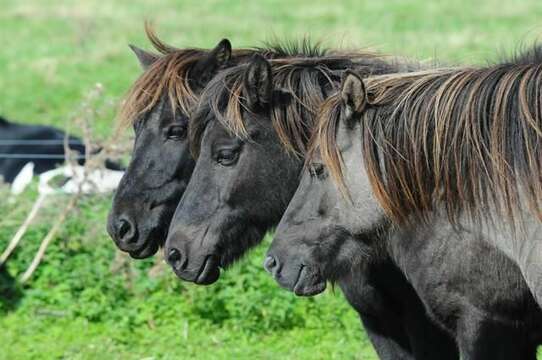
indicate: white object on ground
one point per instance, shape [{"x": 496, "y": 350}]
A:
[
  {"x": 23, "y": 179},
  {"x": 96, "y": 181}
]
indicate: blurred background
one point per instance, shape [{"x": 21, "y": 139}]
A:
[{"x": 86, "y": 300}]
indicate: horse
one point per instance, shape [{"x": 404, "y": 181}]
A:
[
  {"x": 467, "y": 140},
  {"x": 470, "y": 288},
  {"x": 158, "y": 107},
  {"x": 249, "y": 133},
  {"x": 39, "y": 145}
]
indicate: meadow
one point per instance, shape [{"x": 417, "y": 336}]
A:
[{"x": 88, "y": 301}]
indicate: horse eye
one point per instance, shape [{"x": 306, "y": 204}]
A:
[
  {"x": 227, "y": 157},
  {"x": 176, "y": 132},
  {"x": 317, "y": 170}
]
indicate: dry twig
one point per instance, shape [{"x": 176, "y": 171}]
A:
[{"x": 22, "y": 230}]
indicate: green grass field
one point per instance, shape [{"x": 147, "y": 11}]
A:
[{"x": 86, "y": 301}]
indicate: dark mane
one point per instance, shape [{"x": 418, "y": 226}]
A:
[
  {"x": 307, "y": 83},
  {"x": 524, "y": 56},
  {"x": 296, "y": 48},
  {"x": 469, "y": 139}
]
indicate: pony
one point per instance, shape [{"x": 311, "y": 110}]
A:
[
  {"x": 465, "y": 140},
  {"x": 470, "y": 288},
  {"x": 249, "y": 134}
]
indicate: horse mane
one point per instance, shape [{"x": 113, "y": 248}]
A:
[
  {"x": 468, "y": 139},
  {"x": 525, "y": 56},
  {"x": 301, "y": 84},
  {"x": 170, "y": 75},
  {"x": 296, "y": 48}
]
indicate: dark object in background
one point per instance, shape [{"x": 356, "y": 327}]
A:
[
  {"x": 10, "y": 292},
  {"x": 42, "y": 145}
]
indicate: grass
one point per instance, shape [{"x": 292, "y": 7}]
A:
[{"x": 85, "y": 301}]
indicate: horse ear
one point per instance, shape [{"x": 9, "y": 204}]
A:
[
  {"x": 258, "y": 82},
  {"x": 353, "y": 92},
  {"x": 209, "y": 65},
  {"x": 145, "y": 58},
  {"x": 221, "y": 53}
]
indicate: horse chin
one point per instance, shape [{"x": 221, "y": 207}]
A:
[
  {"x": 309, "y": 282},
  {"x": 146, "y": 251},
  {"x": 209, "y": 272},
  {"x": 218, "y": 257},
  {"x": 206, "y": 273}
]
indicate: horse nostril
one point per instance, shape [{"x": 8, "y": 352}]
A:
[
  {"x": 174, "y": 258},
  {"x": 270, "y": 264},
  {"x": 125, "y": 231},
  {"x": 173, "y": 255}
]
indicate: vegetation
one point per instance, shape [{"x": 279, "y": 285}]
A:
[{"x": 87, "y": 300}]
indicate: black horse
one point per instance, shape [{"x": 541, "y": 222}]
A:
[
  {"x": 468, "y": 287},
  {"x": 41, "y": 145},
  {"x": 252, "y": 122},
  {"x": 21, "y": 144}
]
